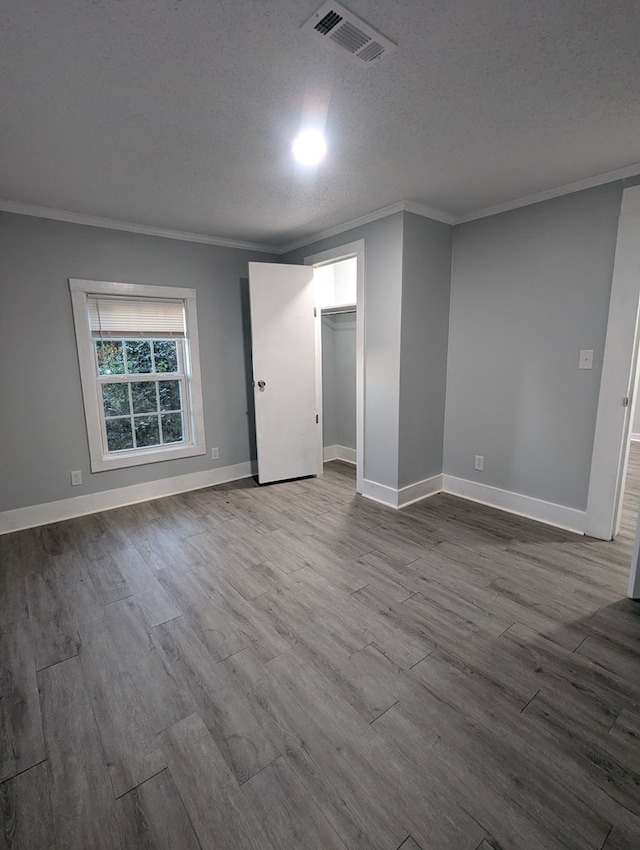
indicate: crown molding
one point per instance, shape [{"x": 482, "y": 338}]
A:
[
  {"x": 131, "y": 227},
  {"x": 304, "y": 241},
  {"x": 429, "y": 212},
  {"x": 556, "y": 192},
  {"x": 383, "y": 212},
  {"x": 402, "y": 206}
]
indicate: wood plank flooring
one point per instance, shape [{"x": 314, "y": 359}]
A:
[{"x": 294, "y": 667}]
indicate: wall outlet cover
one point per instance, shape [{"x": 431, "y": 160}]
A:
[{"x": 586, "y": 358}]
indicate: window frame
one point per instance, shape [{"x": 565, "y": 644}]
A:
[
  {"x": 129, "y": 378},
  {"x": 101, "y": 459}
]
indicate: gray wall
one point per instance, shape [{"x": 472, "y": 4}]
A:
[
  {"x": 42, "y": 424},
  {"x": 530, "y": 288},
  {"x": 329, "y": 429},
  {"x": 339, "y": 380},
  {"x": 383, "y": 270},
  {"x": 426, "y": 278},
  {"x": 407, "y": 287}
]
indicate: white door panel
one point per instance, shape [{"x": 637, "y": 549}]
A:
[{"x": 284, "y": 370}]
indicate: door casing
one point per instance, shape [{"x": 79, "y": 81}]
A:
[{"x": 610, "y": 447}]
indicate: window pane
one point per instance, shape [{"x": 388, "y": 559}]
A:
[
  {"x": 115, "y": 398},
  {"x": 119, "y": 434},
  {"x": 138, "y": 355},
  {"x": 171, "y": 427},
  {"x": 143, "y": 395},
  {"x": 169, "y": 395},
  {"x": 147, "y": 431},
  {"x": 110, "y": 358},
  {"x": 166, "y": 356}
]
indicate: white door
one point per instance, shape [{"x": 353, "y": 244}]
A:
[{"x": 284, "y": 370}]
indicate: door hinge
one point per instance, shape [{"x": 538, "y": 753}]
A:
[
  {"x": 625, "y": 401},
  {"x": 317, "y": 420},
  {"x": 315, "y": 313}
]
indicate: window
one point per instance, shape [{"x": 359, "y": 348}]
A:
[{"x": 139, "y": 365}]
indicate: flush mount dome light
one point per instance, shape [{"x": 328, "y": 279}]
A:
[{"x": 309, "y": 147}]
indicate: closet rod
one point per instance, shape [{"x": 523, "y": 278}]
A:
[{"x": 332, "y": 311}]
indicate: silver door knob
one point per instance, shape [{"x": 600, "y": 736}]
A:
[{"x": 261, "y": 385}]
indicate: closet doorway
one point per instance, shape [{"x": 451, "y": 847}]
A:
[{"x": 339, "y": 288}]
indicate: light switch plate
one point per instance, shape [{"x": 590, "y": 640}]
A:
[{"x": 586, "y": 358}]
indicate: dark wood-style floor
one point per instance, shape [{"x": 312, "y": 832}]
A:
[{"x": 295, "y": 667}]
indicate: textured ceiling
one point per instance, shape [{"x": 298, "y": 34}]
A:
[{"x": 180, "y": 113}]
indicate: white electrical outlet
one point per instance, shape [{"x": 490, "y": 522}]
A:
[
  {"x": 215, "y": 454},
  {"x": 76, "y": 477},
  {"x": 480, "y": 462}
]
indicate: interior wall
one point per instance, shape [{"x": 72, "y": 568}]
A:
[
  {"x": 329, "y": 429},
  {"x": 530, "y": 288},
  {"x": 426, "y": 284},
  {"x": 344, "y": 340},
  {"x": 42, "y": 415},
  {"x": 383, "y": 295},
  {"x": 345, "y": 275},
  {"x": 339, "y": 380}
]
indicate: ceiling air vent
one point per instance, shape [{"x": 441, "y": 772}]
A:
[{"x": 347, "y": 32}]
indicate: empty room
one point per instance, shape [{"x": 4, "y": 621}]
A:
[{"x": 320, "y": 463}]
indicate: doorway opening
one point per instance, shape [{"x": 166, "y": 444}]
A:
[
  {"x": 627, "y": 496},
  {"x": 628, "y": 515},
  {"x": 339, "y": 288},
  {"x": 336, "y": 297},
  {"x": 617, "y": 387},
  {"x": 626, "y": 503}
]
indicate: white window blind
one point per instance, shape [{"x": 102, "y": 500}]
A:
[{"x": 118, "y": 317}]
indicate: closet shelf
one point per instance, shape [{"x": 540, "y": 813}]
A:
[{"x": 331, "y": 311}]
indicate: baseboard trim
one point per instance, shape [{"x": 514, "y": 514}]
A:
[
  {"x": 21, "y": 518},
  {"x": 342, "y": 453},
  {"x": 419, "y": 490},
  {"x": 505, "y": 500},
  {"x": 549, "y": 513},
  {"x": 400, "y": 498},
  {"x": 635, "y": 438},
  {"x": 380, "y": 493}
]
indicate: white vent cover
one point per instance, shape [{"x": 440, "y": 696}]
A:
[{"x": 346, "y": 31}]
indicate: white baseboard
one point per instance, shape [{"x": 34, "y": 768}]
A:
[
  {"x": 339, "y": 453},
  {"x": 635, "y": 438},
  {"x": 514, "y": 503},
  {"x": 419, "y": 490},
  {"x": 380, "y": 493},
  {"x": 20, "y": 518},
  {"x": 549, "y": 513},
  {"x": 400, "y": 498}
]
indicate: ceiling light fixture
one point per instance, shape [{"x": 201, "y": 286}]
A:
[{"x": 309, "y": 147}]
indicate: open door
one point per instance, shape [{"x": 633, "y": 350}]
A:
[{"x": 284, "y": 370}]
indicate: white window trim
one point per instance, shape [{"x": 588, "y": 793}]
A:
[{"x": 101, "y": 460}]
